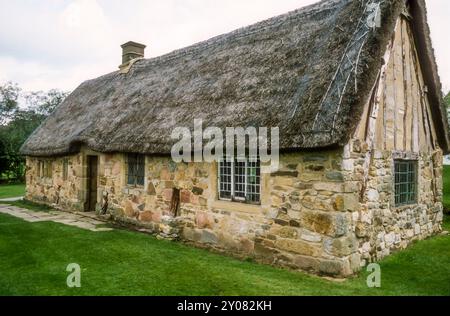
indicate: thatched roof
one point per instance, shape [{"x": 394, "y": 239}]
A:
[{"x": 279, "y": 72}]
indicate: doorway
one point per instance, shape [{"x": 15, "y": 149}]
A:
[
  {"x": 92, "y": 173},
  {"x": 175, "y": 203}
]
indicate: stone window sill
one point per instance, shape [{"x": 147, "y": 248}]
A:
[
  {"x": 402, "y": 208},
  {"x": 236, "y": 206},
  {"x": 132, "y": 190}
]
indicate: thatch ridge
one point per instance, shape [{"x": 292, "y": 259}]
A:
[
  {"x": 273, "y": 73},
  {"x": 427, "y": 58}
]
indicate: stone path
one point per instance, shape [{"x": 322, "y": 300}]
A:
[
  {"x": 70, "y": 219},
  {"x": 14, "y": 199}
]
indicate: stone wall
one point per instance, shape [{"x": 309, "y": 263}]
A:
[
  {"x": 380, "y": 227},
  {"x": 303, "y": 220},
  {"x": 56, "y": 190},
  {"x": 311, "y": 206},
  {"x": 321, "y": 212}
]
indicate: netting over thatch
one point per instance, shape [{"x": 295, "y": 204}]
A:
[{"x": 309, "y": 72}]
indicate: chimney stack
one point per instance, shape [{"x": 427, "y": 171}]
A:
[{"x": 131, "y": 51}]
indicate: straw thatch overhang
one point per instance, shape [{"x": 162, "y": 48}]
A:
[{"x": 276, "y": 73}]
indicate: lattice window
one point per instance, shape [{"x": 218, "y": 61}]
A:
[
  {"x": 40, "y": 166},
  {"x": 49, "y": 171},
  {"x": 225, "y": 179},
  {"x": 136, "y": 170},
  {"x": 405, "y": 182},
  {"x": 253, "y": 180},
  {"x": 45, "y": 169},
  {"x": 65, "y": 169},
  {"x": 240, "y": 180}
]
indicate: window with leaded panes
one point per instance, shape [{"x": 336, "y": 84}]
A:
[
  {"x": 405, "y": 182},
  {"x": 240, "y": 180},
  {"x": 45, "y": 169},
  {"x": 65, "y": 169},
  {"x": 136, "y": 170},
  {"x": 40, "y": 167}
]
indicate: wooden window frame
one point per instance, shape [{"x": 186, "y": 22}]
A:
[
  {"x": 252, "y": 196},
  {"x": 134, "y": 158},
  {"x": 406, "y": 180},
  {"x": 65, "y": 169},
  {"x": 40, "y": 167},
  {"x": 45, "y": 169}
]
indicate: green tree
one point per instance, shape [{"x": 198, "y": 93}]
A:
[
  {"x": 44, "y": 103},
  {"x": 9, "y": 101},
  {"x": 447, "y": 104},
  {"x": 12, "y": 136},
  {"x": 18, "y": 123}
]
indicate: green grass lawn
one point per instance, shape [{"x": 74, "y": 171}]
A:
[
  {"x": 35, "y": 257},
  {"x": 31, "y": 206},
  {"x": 11, "y": 190},
  {"x": 446, "y": 180}
]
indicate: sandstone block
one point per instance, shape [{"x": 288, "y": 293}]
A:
[
  {"x": 373, "y": 195},
  {"x": 335, "y": 176},
  {"x": 208, "y": 237},
  {"x": 204, "y": 220},
  {"x": 351, "y": 202},
  {"x": 334, "y": 268},
  {"x": 263, "y": 251},
  {"x": 361, "y": 230},
  {"x": 338, "y": 203},
  {"x": 146, "y": 216},
  {"x": 283, "y": 181},
  {"x": 300, "y": 247},
  {"x": 197, "y": 191},
  {"x": 302, "y": 186},
  {"x": 185, "y": 196},
  {"x": 128, "y": 209},
  {"x": 285, "y": 172},
  {"x": 356, "y": 262},
  {"x": 284, "y": 231},
  {"x": 329, "y": 186},
  {"x": 306, "y": 263},
  {"x": 333, "y": 225},
  {"x": 246, "y": 245},
  {"x": 310, "y": 176},
  {"x": 315, "y": 158},
  {"x": 191, "y": 234},
  {"x": 310, "y": 236},
  {"x": 341, "y": 247},
  {"x": 228, "y": 241}
]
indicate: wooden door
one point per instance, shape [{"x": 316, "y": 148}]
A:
[
  {"x": 92, "y": 183},
  {"x": 175, "y": 204}
]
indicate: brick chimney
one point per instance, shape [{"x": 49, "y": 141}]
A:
[{"x": 130, "y": 51}]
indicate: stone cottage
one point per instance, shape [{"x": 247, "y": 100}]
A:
[{"x": 354, "y": 89}]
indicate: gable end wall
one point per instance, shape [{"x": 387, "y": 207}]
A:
[{"x": 328, "y": 212}]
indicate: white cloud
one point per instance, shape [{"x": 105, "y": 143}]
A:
[
  {"x": 34, "y": 76},
  {"x": 84, "y": 24},
  {"x": 439, "y": 14},
  {"x": 60, "y": 43}
]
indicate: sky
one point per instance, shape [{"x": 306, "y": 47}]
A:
[{"x": 49, "y": 44}]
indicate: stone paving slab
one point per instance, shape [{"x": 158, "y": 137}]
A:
[
  {"x": 14, "y": 199},
  {"x": 76, "y": 220}
]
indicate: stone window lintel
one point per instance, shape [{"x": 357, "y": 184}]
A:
[{"x": 405, "y": 155}]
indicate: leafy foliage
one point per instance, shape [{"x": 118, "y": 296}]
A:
[
  {"x": 17, "y": 123},
  {"x": 447, "y": 100},
  {"x": 9, "y": 95}
]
